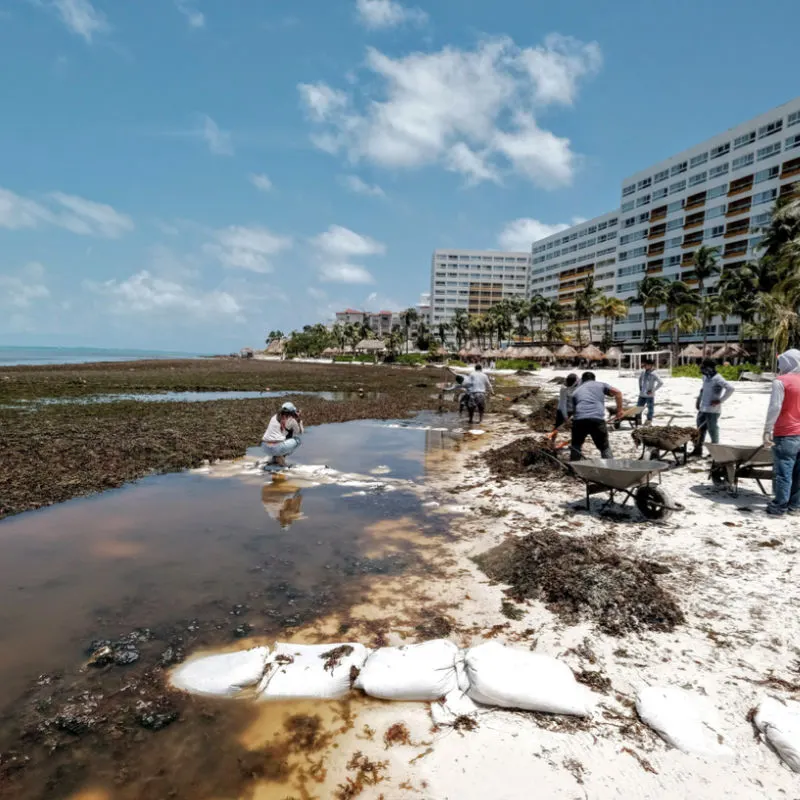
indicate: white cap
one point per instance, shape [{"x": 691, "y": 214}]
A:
[{"x": 289, "y": 408}]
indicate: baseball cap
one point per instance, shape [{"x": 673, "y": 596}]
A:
[{"x": 290, "y": 408}]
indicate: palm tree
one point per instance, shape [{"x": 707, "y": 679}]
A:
[
  {"x": 273, "y": 335},
  {"x": 706, "y": 265},
  {"x": 501, "y": 318},
  {"x": 678, "y": 296},
  {"x": 652, "y": 293},
  {"x": 520, "y": 309},
  {"x": 393, "y": 341},
  {"x": 409, "y": 317},
  {"x": 556, "y": 314},
  {"x": 780, "y": 244},
  {"x": 585, "y": 305},
  {"x": 339, "y": 336},
  {"x": 682, "y": 320},
  {"x": 352, "y": 334},
  {"x": 610, "y": 309},
  {"x": 537, "y": 309},
  {"x": 461, "y": 326},
  {"x": 423, "y": 335},
  {"x": 442, "y": 329}
]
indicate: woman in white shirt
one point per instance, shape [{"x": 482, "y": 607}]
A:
[{"x": 282, "y": 436}]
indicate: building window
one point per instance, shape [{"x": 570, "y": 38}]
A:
[
  {"x": 765, "y": 197},
  {"x": 672, "y": 261},
  {"x": 772, "y": 127},
  {"x": 627, "y": 205},
  {"x": 792, "y": 142},
  {"x": 743, "y": 161},
  {"x": 698, "y": 178},
  {"x": 659, "y": 193},
  {"x": 674, "y": 224},
  {"x": 631, "y": 270},
  {"x": 721, "y": 169},
  {"x": 643, "y": 184},
  {"x": 718, "y": 191},
  {"x": 671, "y": 243},
  {"x": 720, "y": 150},
  {"x": 717, "y": 230},
  {"x": 643, "y": 217},
  {"x": 629, "y": 190},
  {"x": 677, "y": 187},
  {"x": 676, "y": 206},
  {"x": 677, "y": 169},
  {"x": 612, "y": 222},
  {"x": 661, "y": 176},
  {"x": 717, "y": 211},
  {"x": 793, "y": 119},
  {"x": 629, "y": 222},
  {"x": 744, "y": 140},
  {"x": 698, "y": 160},
  {"x": 643, "y": 200},
  {"x": 769, "y": 151}
]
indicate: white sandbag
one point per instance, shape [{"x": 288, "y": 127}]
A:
[
  {"x": 419, "y": 672},
  {"x": 223, "y": 675},
  {"x": 296, "y": 671},
  {"x": 687, "y": 721},
  {"x": 779, "y": 722},
  {"x": 514, "y": 678}
]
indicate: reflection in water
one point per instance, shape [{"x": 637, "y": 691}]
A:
[{"x": 283, "y": 501}]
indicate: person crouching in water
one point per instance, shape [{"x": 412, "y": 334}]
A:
[
  {"x": 283, "y": 433},
  {"x": 564, "y": 410},
  {"x": 477, "y": 386}
]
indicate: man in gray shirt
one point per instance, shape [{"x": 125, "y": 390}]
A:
[
  {"x": 477, "y": 386},
  {"x": 649, "y": 384},
  {"x": 589, "y": 419},
  {"x": 716, "y": 390}
]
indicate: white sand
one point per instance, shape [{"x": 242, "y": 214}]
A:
[{"x": 733, "y": 570}]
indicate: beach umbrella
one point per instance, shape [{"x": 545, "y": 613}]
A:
[
  {"x": 475, "y": 352},
  {"x": 691, "y": 351},
  {"x": 729, "y": 350},
  {"x": 592, "y": 353},
  {"x": 542, "y": 352},
  {"x": 566, "y": 351}
]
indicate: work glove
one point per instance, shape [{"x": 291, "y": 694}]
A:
[{"x": 767, "y": 439}]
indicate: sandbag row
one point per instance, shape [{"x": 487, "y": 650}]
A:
[{"x": 490, "y": 674}]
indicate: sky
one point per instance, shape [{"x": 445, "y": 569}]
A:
[{"x": 191, "y": 174}]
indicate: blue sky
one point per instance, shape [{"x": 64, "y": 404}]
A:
[{"x": 188, "y": 174}]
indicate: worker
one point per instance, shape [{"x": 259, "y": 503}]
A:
[
  {"x": 649, "y": 384},
  {"x": 456, "y": 387},
  {"x": 588, "y": 419},
  {"x": 478, "y": 386},
  {"x": 564, "y": 408},
  {"x": 283, "y": 433},
  {"x": 713, "y": 393},
  {"x": 782, "y": 431}
]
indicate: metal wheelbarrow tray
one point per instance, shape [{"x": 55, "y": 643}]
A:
[
  {"x": 730, "y": 463},
  {"x": 631, "y": 477},
  {"x": 632, "y": 415},
  {"x": 661, "y": 445}
]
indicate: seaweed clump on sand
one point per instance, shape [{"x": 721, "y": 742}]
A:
[
  {"x": 582, "y": 578},
  {"x": 543, "y": 418},
  {"x": 525, "y": 456}
]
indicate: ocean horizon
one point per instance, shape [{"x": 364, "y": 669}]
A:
[{"x": 29, "y": 356}]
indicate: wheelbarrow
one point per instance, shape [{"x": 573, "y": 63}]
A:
[
  {"x": 631, "y": 477},
  {"x": 632, "y": 415},
  {"x": 730, "y": 463},
  {"x": 662, "y": 444}
]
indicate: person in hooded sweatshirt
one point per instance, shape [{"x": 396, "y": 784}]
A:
[
  {"x": 782, "y": 431},
  {"x": 714, "y": 392}
]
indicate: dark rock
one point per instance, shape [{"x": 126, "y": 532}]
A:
[
  {"x": 155, "y": 716},
  {"x": 172, "y": 655},
  {"x": 243, "y": 630}
]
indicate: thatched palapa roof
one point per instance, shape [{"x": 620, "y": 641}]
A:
[
  {"x": 692, "y": 351},
  {"x": 566, "y": 351},
  {"x": 371, "y": 346},
  {"x": 592, "y": 353}
]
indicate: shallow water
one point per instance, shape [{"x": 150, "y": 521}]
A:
[
  {"x": 193, "y": 558},
  {"x": 191, "y": 397}
]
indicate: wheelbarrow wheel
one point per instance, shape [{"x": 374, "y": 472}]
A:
[
  {"x": 654, "y": 502},
  {"x": 655, "y": 455},
  {"x": 617, "y": 424}
]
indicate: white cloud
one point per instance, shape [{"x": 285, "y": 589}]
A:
[
  {"x": 381, "y": 14},
  {"x": 470, "y": 111},
  {"x": 195, "y": 18},
  {"x": 144, "y": 293},
  {"x": 335, "y": 249},
  {"x": 81, "y": 17},
  {"x": 219, "y": 142},
  {"x": 21, "y": 290},
  {"x": 321, "y": 101},
  {"x": 358, "y": 186},
  {"x": 261, "y": 182},
  {"x": 520, "y": 234},
  {"x": 344, "y": 272},
  {"x": 339, "y": 241},
  {"x": 75, "y": 214},
  {"x": 248, "y": 248}
]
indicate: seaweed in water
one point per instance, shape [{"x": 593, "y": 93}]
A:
[
  {"x": 306, "y": 734},
  {"x": 333, "y": 658},
  {"x": 368, "y": 773},
  {"x": 581, "y": 578},
  {"x": 396, "y": 734}
]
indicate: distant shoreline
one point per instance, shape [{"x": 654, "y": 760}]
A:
[{"x": 19, "y": 356}]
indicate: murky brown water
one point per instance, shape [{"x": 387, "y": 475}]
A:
[{"x": 192, "y": 559}]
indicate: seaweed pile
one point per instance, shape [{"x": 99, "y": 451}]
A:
[
  {"x": 665, "y": 437},
  {"x": 527, "y": 456},
  {"x": 584, "y": 578}
]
